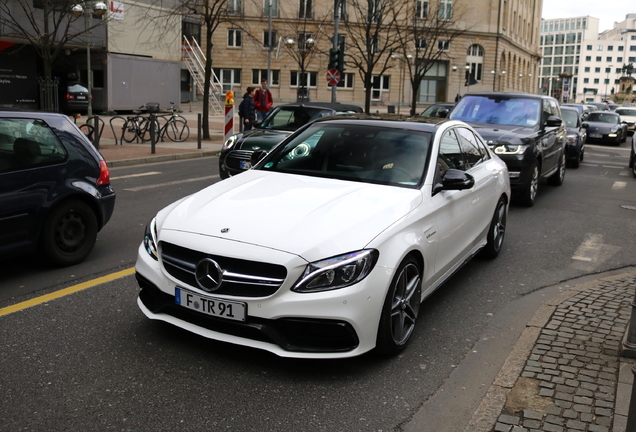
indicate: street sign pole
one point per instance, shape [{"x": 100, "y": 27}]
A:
[{"x": 336, "y": 40}]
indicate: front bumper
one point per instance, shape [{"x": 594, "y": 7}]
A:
[{"x": 332, "y": 324}]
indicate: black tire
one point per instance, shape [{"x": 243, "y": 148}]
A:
[
  {"x": 624, "y": 137},
  {"x": 129, "y": 132},
  {"x": 529, "y": 193},
  {"x": 69, "y": 233},
  {"x": 401, "y": 307},
  {"x": 497, "y": 231},
  {"x": 177, "y": 130},
  {"x": 557, "y": 178}
]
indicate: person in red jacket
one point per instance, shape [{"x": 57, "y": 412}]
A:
[{"x": 263, "y": 101}]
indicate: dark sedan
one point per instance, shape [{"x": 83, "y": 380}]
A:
[
  {"x": 438, "y": 110},
  {"x": 55, "y": 192},
  {"x": 278, "y": 125},
  {"x": 605, "y": 127},
  {"x": 576, "y": 136}
]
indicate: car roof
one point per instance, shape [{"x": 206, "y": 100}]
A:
[
  {"x": 510, "y": 95},
  {"x": 390, "y": 120},
  {"x": 325, "y": 105},
  {"x": 569, "y": 108}
]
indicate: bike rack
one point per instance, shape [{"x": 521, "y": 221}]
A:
[{"x": 112, "y": 128}]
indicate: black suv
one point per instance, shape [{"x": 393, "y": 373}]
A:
[
  {"x": 525, "y": 131},
  {"x": 55, "y": 192}
]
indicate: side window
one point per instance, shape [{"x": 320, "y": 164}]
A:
[
  {"x": 547, "y": 110},
  {"x": 556, "y": 111},
  {"x": 450, "y": 152},
  {"x": 473, "y": 150},
  {"x": 26, "y": 143}
]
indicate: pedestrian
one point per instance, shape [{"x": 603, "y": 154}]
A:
[
  {"x": 247, "y": 109},
  {"x": 263, "y": 100}
]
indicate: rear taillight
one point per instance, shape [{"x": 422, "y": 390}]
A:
[
  {"x": 69, "y": 96},
  {"x": 104, "y": 174}
]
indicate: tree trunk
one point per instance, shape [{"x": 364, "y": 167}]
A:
[
  {"x": 206, "y": 85},
  {"x": 368, "y": 90}
]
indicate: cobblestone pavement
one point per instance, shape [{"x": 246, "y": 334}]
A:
[{"x": 570, "y": 381}]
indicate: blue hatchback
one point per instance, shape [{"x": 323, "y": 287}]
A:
[{"x": 55, "y": 192}]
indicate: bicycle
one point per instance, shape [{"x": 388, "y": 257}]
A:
[
  {"x": 176, "y": 127},
  {"x": 136, "y": 127}
]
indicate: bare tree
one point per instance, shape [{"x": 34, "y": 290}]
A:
[
  {"x": 368, "y": 28},
  {"x": 49, "y": 26},
  {"x": 425, "y": 38}
]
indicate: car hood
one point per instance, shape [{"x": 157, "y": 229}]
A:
[
  {"x": 262, "y": 139},
  {"x": 311, "y": 217},
  {"x": 599, "y": 126},
  {"x": 503, "y": 133}
]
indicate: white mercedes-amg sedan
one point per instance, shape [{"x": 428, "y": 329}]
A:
[{"x": 328, "y": 245}]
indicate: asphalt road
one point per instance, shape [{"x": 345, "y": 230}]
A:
[{"x": 92, "y": 361}]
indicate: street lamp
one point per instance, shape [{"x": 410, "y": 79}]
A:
[
  {"x": 459, "y": 84},
  {"x": 89, "y": 9},
  {"x": 468, "y": 77},
  {"x": 531, "y": 84},
  {"x": 304, "y": 46}
]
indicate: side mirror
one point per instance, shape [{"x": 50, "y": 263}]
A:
[
  {"x": 257, "y": 156},
  {"x": 455, "y": 179},
  {"x": 585, "y": 126},
  {"x": 553, "y": 121}
]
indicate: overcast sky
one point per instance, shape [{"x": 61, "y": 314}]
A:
[{"x": 607, "y": 11}]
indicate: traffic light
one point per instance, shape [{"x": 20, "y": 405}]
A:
[
  {"x": 333, "y": 58},
  {"x": 341, "y": 62}
]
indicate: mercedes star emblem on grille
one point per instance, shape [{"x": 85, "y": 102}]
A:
[{"x": 208, "y": 274}]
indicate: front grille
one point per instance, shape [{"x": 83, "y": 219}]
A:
[
  {"x": 234, "y": 158},
  {"x": 291, "y": 334},
  {"x": 241, "y": 278}
]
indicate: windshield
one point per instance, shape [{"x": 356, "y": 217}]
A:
[
  {"x": 77, "y": 88},
  {"x": 626, "y": 112},
  {"x": 498, "y": 110},
  {"x": 354, "y": 152},
  {"x": 292, "y": 118},
  {"x": 602, "y": 117},
  {"x": 570, "y": 117}
]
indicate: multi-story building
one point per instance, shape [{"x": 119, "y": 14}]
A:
[
  {"x": 581, "y": 65},
  {"x": 500, "y": 46}
]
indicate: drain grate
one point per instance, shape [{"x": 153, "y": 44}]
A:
[{"x": 629, "y": 207}]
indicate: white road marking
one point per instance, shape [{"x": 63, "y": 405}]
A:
[
  {"x": 136, "y": 175},
  {"x": 140, "y": 188},
  {"x": 589, "y": 249},
  {"x": 619, "y": 185}
]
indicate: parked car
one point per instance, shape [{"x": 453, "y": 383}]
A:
[
  {"x": 612, "y": 106},
  {"x": 278, "y": 125},
  {"x": 628, "y": 115},
  {"x": 55, "y": 192},
  {"x": 526, "y": 131},
  {"x": 74, "y": 97},
  {"x": 605, "y": 127},
  {"x": 583, "y": 110},
  {"x": 600, "y": 106},
  {"x": 327, "y": 246},
  {"x": 439, "y": 110},
  {"x": 576, "y": 136}
]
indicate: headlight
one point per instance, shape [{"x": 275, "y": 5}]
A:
[
  {"x": 337, "y": 272},
  {"x": 510, "y": 148},
  {"x": 615, "y": 128},
  {"x": 572, "y": 139},
  {"x": 150, "y": 239},
  {"x": 230, "y": 142}
]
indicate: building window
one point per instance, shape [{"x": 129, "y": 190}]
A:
[
  {"x": 234, "y": 38},
  {"x": 302, "y": 40},
  {"x": 375, "y": 10},
  {"x": 570, "y": 38},
  {"x": 266, "y": 38},
  {"x": 597, "y": 70},
  {"x": 589, "y": 48},
  {"x": 632, "y": 48},
  {"x": 547, "y": 51},
  {"x": 191, "y": 30},
  {"x": 274, "y": 11},
  {"x": 421, "y": 8},
  {"x": 586, "y": 80},
  {"x": 633, "y": 37},
  {"x": 305, "y": 9},
  {"x": 610, "y": 47},
  {"x": 609, "y": 59},
  {"x": 570, "y": 49},
  {"x": 475, "y": 59},
  {"x": 380, "y": 85},
  {"x": 234, "y": 7},
  {"x": 420, "y": 44},
  {"x": 558, "y": 50},
  {"x": 560, "y": 38},
  {"x": 346, "y": 81},
  {"x": 261, "y": 74},
  {"x": 588, "y": 58},
  {"x": 606, "y": 81},
  {"x": 632, "y": 59},
  {"x": 443, "y": 45},
  {"x": 587, "y": 69},
  {"x": 599, "y": 58},
  {"x": 445, "y": 9},
  {"x": 599, "y": 47},
  {"x": 230, "y": 78},
  {"x": 619, "y": 59},
  {"x": 547, "y": 61},
  {"x": 621, "y": 48},
  {"x": 596, "y": 81},
  {"x": 311, "y": 77}
]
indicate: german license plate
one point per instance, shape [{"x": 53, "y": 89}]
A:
[
  {"x": 245, "y": 165},
  {"x": 80, "y": 97},
  {"x": 211, "y": 306},
  {"x": 596, "y": 136}
]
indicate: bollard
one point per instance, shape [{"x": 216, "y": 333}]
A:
[
  {"x": 629, "y": 341},
  {"x": 228, "y": 130},
  {"x": 153, "y": 120},
  {"x": 96, "y": 132},
  {"x": 631, "y": 415},
  {"x": 199, "y": 127}
]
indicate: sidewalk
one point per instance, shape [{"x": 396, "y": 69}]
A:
[{"x": 565, "y": 374}]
